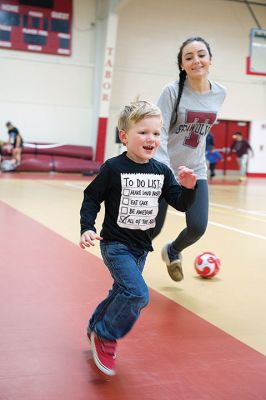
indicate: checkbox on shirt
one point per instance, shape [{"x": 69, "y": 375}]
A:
[
  {"x": 124, "y": 210},
  {"x": 126, "y": 192}
]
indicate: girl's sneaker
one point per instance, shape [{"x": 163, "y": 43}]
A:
[{"x": 173, "y": 262}]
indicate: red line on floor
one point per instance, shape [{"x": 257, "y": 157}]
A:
[{"x": 49, "y": 287}]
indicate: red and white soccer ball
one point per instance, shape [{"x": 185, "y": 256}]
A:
[{"x": 207, "y": 264}]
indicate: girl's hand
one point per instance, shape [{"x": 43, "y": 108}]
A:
[
  {"x": 187, "y": 177},
  {"x": 87, "y": 239}
]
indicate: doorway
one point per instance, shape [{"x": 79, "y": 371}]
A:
[{"x": 223, "y": 130}]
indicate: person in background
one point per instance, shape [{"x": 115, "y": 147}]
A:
[
  {"x": 241, "y": 147},
  {"x": 15, "y": 143},
  {"x": 213, "y": 156},
  {"x": 209, "y": 141},
  {"x": 131, "y": 186},
  {"x": 189, "y": 107},
  {"x": 1, "y": 146}
]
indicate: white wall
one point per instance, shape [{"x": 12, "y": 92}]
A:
[
  {"x": 150, "y": 33},
  {"x": 51, "y": 98},
  {"x": 48, "y": 97},
  {"x": 257, "y": 164}
]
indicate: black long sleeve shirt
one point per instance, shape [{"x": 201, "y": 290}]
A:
[
  {"x": 131, "y": 193},
  {"x": 241, "y": 147}
]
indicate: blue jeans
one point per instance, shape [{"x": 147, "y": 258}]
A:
[{"x": 116, "y": 315}]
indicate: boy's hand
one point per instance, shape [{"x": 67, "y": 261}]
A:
[
  {"x": 87, "y": 239},
  {"x": 187, "y": 177}
]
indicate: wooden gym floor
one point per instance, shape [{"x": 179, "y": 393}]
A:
[{"x": 197, "y": 339}]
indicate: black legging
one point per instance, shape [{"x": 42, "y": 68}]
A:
[{"x": 196, "y": 218}]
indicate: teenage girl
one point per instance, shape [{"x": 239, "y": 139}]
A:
[{"x": 189, "y": 107}]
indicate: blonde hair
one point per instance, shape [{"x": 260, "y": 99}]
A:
[{"x": 135, "y": 112}]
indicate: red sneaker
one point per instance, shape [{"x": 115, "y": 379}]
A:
[
  {"x": 103, "y": 353},
  {"x": 89, "y": 337}
]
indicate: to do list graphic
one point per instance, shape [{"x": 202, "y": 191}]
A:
[{"x": 139, "y": 200}]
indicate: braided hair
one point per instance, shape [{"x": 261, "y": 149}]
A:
[{"x": 183, "y": 74}]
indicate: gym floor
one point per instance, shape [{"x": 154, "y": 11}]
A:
[{"x": 199, "y": 339}]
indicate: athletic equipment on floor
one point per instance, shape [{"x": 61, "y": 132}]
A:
[{"x": 207, "y": 264}]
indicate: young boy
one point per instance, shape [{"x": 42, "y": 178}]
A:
[{"x": 131, "y": 186}]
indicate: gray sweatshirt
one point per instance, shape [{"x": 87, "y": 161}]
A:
[{"x": 185, "y": 144}]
